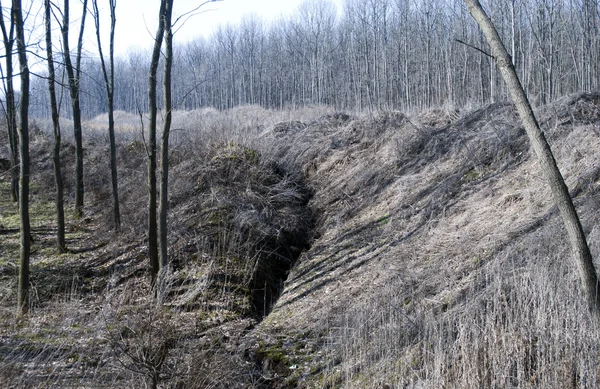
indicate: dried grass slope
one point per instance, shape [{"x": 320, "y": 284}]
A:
[{"x": 320, "y": 250}]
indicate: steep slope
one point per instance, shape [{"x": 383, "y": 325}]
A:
[
  {"x": 440, "y": 259},
  {"x": 237, "y": 223},
  {"x": 316, "y": 251}
]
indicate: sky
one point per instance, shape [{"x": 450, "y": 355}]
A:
[{"x": 136, "y": 19}]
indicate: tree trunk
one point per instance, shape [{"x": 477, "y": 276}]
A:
[
  {"x": 152, "y": 81},
  {"x": 23, "y": 288},
  {"x": 164, "y": 185},
  {"x": 74, "y": 78},
  {"x": 11, "y": 111},
  {"x": 60, "y": 209},
  {"x": 109, "y": 82},
  {"x": 560, "y": 192}
]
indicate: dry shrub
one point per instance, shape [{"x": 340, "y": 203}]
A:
[
  {"x": 216, "y": 364},
  {"x": 156, "y": 345},
  {"x": 574, "y": 109},
  {"x": 142, "y": 338},
  {"x": 332, "y": 120},
  {"x": 285, "y": 127},
  {"x": 245, "y": 210},
  {"x": 437, "y": 118}
]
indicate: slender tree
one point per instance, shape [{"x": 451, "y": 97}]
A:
[
  {"x": 165, "y": 30},
  {"x": 164, "y": 159},
  {"x": 74, "y": 74},
  {"x": 152, "y": 86},
  {"x": 109, "y": 82},
  {"x": 581, "y": 252},
  {"x": 60, "y": 208},
  {"x": 25, "y": 231},
  {"x": 10, "y": 109}
]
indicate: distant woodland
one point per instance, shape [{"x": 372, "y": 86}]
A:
[{"x": 370, "y": 55}]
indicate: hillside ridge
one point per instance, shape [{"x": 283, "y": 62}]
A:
[{"x": 319, "y": 250}]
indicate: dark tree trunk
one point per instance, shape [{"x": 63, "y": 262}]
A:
[
  {"x": 74, "y": 78},
  {"x": 23, "y": 288},
  {"x": 10, "y": 109},
  {"x": 152, "y": 81},
  {"x": 164, "y": 185},
  {"x": 109, "y": 82},
  {"x": 60, "y": 208}
]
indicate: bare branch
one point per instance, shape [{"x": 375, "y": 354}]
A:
[
  {"x": 473, "y": 47},
  {"x": 187, "y": 15}
]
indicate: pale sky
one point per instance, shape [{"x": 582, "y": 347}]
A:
[{"x": 136, "y": 19}]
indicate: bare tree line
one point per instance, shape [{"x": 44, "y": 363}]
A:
[
  {"x": 379, "y": 54},
  {"x": 74, "y": 88},
  {"x": 374, "y": 54}
]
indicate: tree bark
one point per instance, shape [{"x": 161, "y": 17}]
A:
[
  {"x": 10, "y": 109},
  {"x": 74, "y": 79},
  {"x": 109, "y": 83},
  {"x": 58, "y": 180},
  {"x": 560, "y": 192},
  {"x": 168, "y": 105},
  {"x": 152, "y": 202},
  {"x": 25, "y": 231}
]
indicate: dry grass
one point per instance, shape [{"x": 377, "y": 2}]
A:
[
  {"x": 237, "y": 223},
  {"x": 447, "y": 244},
  {"x": 518, "y": 322},
  {"x": 425, "y": 250}
]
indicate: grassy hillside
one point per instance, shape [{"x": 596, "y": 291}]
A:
[{"x": 314, "y": 249}]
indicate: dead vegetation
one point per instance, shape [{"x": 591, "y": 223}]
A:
[
  {"x": 422, "y": 251},
  {"x": 446, "y": 242}
]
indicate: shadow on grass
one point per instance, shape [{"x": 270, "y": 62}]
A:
[
  {"x": 356, "y": 247},
  {"x": 8, "y": 231},
  {"x": 48, "y": 359},
  {"x": 87, "y": 249}
]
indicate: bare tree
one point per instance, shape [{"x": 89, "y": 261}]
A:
[
  {"x": 109, "y": 82},
  {"x": 581, "y": 252},
  {"x": 544, "y": 21},
  {"x": 375, "y": 54},
  {"x": 60, "y": 208},
  {"x": 10, "y": 109},
  {"x": 25, "y": 230},
  {"x": 152, "y": 201},
  {"x": 165, "y": 29},
  {"x": 74, "y": 74},
  {"x": 164, "y": 159},
  {"x": 251, "y": 48}
]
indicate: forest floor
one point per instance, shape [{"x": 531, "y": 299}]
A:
[{"x": 314, "y": 249}]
